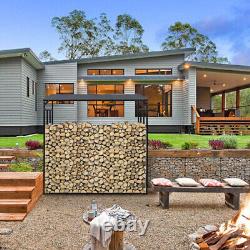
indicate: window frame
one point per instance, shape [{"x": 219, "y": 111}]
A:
[
  {"x": 33, "y": 87},
  {"x": 27, "y": 86},
  {"x": 115, "y": 102},
  {"x": 59, "y": 92},
  {"x": 36, "y": 96},
  {"x": 159, "y": 70},
  {"x": 166, "y": 105},
  {"x": 99, "y": 70}
]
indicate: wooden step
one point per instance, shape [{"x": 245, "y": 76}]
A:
[
  {"x": 19, "y": 178},
  {"x": 16, "y": 192},
  {"x": 7, "y": 158},
  {"x": 14, "y": 205},
  {"x": 4, "y": 166},
  {"x": 12, "y": 216}
]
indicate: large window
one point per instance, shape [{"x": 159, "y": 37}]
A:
[
  {"x": 216, "y": 102},
  {"x": 159, "y": 98},
  {"x": 245, "y": 102},
  {"x": 166, "y": 71},
  {"x": 62, "y": 88},
  {"x": 106, "y": 108},
  {"x": 105, "y": 71}
]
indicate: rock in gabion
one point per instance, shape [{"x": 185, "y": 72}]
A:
[{"x": 87, "y": 158}]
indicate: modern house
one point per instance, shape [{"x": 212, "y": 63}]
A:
[{"x": 181, "y": 94}]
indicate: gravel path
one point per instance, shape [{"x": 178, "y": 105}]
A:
[{"x": 56, "y": 222}]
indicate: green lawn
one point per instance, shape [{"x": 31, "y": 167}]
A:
[
  {"x": 178, "y": 139},
  {"x": 175, "y": 139},
  {"x": 10, "y": 142}
]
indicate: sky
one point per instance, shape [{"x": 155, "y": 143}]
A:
[{"x": 27, "y": 23}]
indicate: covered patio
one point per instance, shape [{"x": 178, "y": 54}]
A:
[{"x": 222, "y": 99}]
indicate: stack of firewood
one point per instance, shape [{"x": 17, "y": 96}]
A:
[{"x": 229, "y": 236}]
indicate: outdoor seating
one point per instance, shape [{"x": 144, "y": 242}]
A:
[{"x": 232, "y": 194}]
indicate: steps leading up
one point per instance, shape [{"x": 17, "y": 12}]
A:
[
  {"x": 16, "y": 192},
  {"x": 19, "y": 192},
  {"x": 7, "y": 158},
  {"x": 12, "y": 216},
  {"x": 14, "y": 205}
]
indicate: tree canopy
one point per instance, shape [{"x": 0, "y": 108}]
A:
[
  {"x": 83, "y": 37},
  {"x": 128, "y": 35},
  {"x": 183, "y": 35},
  {"x": 45, "y": 56}
]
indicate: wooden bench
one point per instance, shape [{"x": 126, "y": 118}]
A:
[{"x": 232, "y": 194}]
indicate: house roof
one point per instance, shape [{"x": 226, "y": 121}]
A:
[
  {"x": 25, "y": 53},
  {"x": 95, "y": 97},
  {"x": 214, "y": 66},
  {"x": 186, "y": 52},
  {"x": 134, "y": 78}
]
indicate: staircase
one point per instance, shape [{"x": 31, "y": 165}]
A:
[
  {"x": 5, "y": 162},
  {"x": 19, "y": 192}
]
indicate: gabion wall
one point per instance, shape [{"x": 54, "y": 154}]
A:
[
  {"x": 199, "y": 167},
  {"x": 87, "y": 158}
]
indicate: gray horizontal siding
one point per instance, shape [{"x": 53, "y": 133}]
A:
[
  {"x": 129, "y": 110},
  {"x": 10, "y": 92},
  {"x": 58, "y": 73},
  {"x": 129, "y": 66},
  {"x": 29, "y": 115}
]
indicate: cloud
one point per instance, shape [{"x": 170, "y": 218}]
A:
[{"x": 233, "y": 30}]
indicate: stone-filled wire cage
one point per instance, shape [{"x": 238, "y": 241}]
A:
[{"x": 81, "y": 157}]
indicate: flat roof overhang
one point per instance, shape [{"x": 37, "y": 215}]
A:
[
  {"x": 25, "y": 53},
  {"x": 95, "y": 97},
  {"x": 138, "y": 78},
  {"x": 219, "y": 77}
]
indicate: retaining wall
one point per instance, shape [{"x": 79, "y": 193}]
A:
[{"x": 198, "y": 164}]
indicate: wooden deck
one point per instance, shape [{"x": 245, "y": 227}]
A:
[
  {"x": 220, "y": 125},
  {"x": 223, "y": 125}
]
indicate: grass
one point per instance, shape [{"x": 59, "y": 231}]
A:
[
  {"x": 178, "y": 139},
  {"x": 175, "y": 139},
  {"x": 10, "y": 142},
  {"x": 21, "y": 167}
]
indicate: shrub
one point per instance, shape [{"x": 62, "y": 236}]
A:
[
  {"x": 157, "y": 144},
  {"x": 216, "y": 144},
  {"x": 230, "y": 141},
  {"x": 32, "y": 145},
  {"x": 189, "y": 145}
]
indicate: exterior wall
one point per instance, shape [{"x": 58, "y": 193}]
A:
[
  {"x": 129, "y": 66},
  {"x": 10, "y": 89},
  {"x": 203, "y": 97},
  {"x": 189, "y": 94},
  {"x": 58, "y": 73},
  {"x": 28, "y": 113}
]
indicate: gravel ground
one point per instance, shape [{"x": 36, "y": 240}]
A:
[{"x": 56, "y": 221}]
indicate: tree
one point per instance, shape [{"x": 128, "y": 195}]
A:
[
  {"x": 128, "y": 35},
  {"x": 183, "y": 35},
  {"x": 82, "y": 37},
  {"x": 45, "y": 56}
]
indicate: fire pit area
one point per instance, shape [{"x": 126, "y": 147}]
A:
[{"x": 231, "y": 235}]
